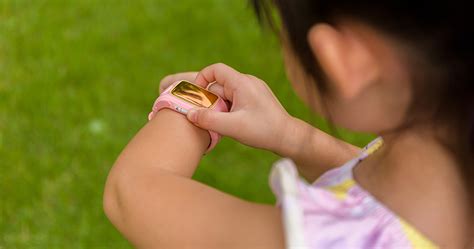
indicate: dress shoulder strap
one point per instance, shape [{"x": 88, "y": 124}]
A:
[{"x": 343, "y": 173}]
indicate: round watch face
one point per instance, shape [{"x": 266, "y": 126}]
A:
[{"x": 194, "y": 94}]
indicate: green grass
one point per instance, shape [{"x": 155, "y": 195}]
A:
[{"x": 77, "y": 78}]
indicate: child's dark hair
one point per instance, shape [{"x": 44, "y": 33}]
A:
[{"x": 439, "y": 39}]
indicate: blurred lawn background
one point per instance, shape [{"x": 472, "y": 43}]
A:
[{"x": 77, "y": 79}]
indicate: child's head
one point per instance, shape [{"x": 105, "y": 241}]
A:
[{"x": 382, "y": 65}]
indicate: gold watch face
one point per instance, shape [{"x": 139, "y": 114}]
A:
[{"x": 194, "y": 94}]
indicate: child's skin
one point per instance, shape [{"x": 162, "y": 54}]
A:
[{"x": 151, "y": 198}]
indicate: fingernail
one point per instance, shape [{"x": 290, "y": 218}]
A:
[{"x": 192, "y": 115}]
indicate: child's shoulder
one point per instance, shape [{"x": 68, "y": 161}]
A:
[{"x": 335, "y": 212}]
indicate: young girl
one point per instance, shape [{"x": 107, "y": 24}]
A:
[{"x": 398, "y": 69}]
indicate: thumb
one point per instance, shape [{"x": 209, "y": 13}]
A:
[{"x": 220, "y": 122}]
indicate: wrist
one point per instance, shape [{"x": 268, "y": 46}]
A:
[
  {"x": 183, "y": 96},
  {"x": 178, "y": 127},
  {"x": 291, "y": 138}
]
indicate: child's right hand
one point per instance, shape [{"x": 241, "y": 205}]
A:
[{"x": 256, "y": 117}]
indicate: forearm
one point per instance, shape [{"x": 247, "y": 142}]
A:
[
  {"x": 169, "y": 142},
  {"x": 144, "y": 180},
  {"x": 313, "y": 150}
]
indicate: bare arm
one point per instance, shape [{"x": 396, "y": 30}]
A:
[
  {"x": 152, "y": 201},
  {"x": 313, "y": 150},
  {"x": 258, "y": 120}
]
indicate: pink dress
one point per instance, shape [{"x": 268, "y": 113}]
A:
[{"x": 335, "y": 212}]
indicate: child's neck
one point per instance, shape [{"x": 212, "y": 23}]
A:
[{"x": 413, "y": 175}]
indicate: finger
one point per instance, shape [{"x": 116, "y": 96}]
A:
[
  {"x": 170, "y": 79},
  {"x": 223, "y": 75},
  {"x": 217, "y": 89},
  {"x": 223, "y": 123}
]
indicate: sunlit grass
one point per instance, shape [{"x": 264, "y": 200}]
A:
[{"x": 77, "y": 79}]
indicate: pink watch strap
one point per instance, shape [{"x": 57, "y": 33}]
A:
[{"x": 167, "y": 100}]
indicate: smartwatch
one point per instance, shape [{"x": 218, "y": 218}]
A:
[{"x": 182, "y": 96}]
